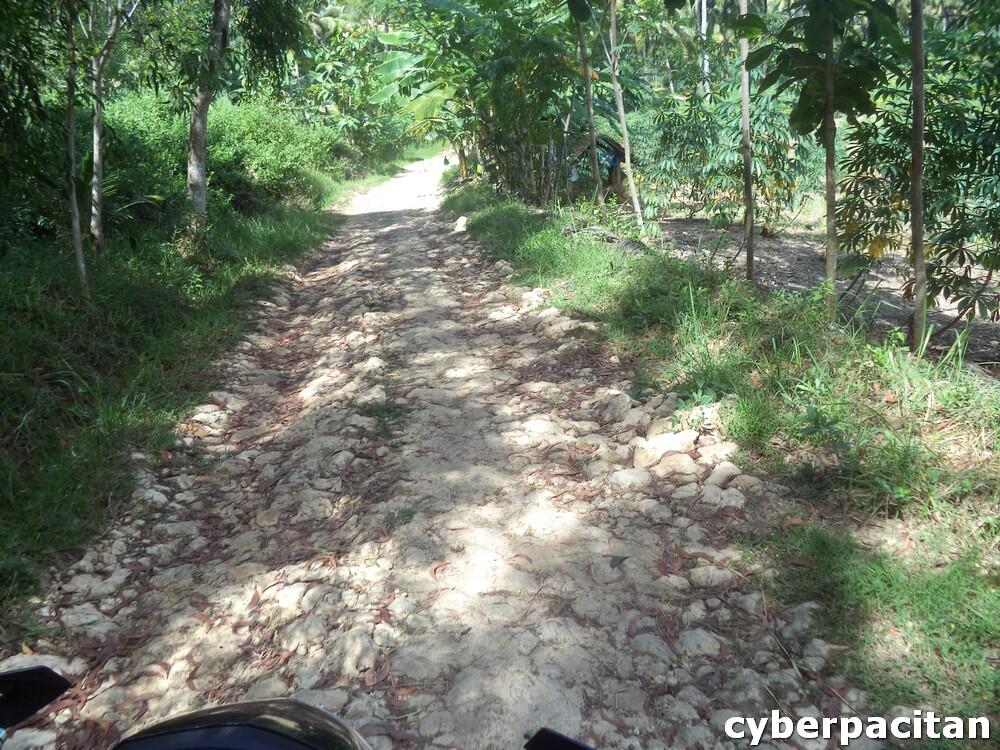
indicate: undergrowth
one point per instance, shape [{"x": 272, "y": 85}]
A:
[
  {"x": 866, "y": 424},
  {"x": 83, "y": 384}
]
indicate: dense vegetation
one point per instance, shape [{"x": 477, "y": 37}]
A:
[
  {"x": 162, "y": 160},
  {"x": 826, "y": 107},
  {"x": 100, "y": 364}
]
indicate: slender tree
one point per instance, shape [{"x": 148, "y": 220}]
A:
[
  {"x": 198, "y": 132},
  {"x": 919, "y": 320},
  {"x": 268, "y": 30},
  {"x": 614, "y": 58},
  {"x": 70, "y": 18},
  {"x": 588, "y": 90},
  {"x": 748, "y": 198},
  {"x": 830, "y": 188},
  {"x": 113, "y": 17},
  {"x": 703, "y": 33},
  {"x": 807, "y": 48}
]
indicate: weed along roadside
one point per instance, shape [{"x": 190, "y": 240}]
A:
[
  {"x": 895, "y": 532},
  {"x": 449, "y": 373},
  {"x": 86, "y": 384}
]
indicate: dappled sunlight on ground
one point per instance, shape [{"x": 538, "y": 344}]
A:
[{"x": 418, "y": 500}]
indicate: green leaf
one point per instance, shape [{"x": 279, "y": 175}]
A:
[
  {"x": 453, "y": 7},
  {"x": 385, "y": 94},
  {"x": 397, "y": 38},
  {"x": 770, "y": 79},
  {"x": 580, "y": 10},
  {"x": 395, "y": 65},
  {"x": 759, "y": 56},
  {"x": 749, "y": 26}
]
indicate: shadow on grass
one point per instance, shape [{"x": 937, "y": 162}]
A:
[
  {"x": 81, "y": 385},
  {"x": 826, "y": 406},
  {"x": 918, "y": 632}
]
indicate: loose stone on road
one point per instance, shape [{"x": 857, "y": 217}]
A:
[{"x": 424, "y": 499}]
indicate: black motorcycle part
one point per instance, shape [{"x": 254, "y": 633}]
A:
[
  {"x": 258, "y": 725},
  {"x": 546, "y": 739},
  {"x": 24, "y": 692}
]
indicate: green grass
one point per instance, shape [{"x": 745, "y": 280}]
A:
[
  {"x": 83, "y": 385},
  {"x": 825, "y": 405},
  {"x": 861, "y": 423},
  {"x": 919, "y": 631}
]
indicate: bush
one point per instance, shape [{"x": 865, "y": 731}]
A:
[
  {"x": 260, "y": 151},
  {"x": 689, "y": 149}
]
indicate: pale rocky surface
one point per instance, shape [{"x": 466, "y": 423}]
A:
[{"x": 414, "y": 499}]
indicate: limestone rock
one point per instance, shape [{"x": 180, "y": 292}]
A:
[
  {"x": 629, "y": 479},
  {"x": 699, "y": 642},
  {"x": 651, "y": 450}
]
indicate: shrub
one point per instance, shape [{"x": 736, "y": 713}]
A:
[
  {"x": 689, "y": 149},
  {"x": 260, "y": 151}
]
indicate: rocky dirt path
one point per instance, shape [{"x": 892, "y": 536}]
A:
[{"x": 423, "y": 500}]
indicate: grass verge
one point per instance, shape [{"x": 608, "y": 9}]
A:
[
  {"x": 867, "y": 425},
  {"x": 82, "y": 385},
  {"x": 922, "y": 634}
]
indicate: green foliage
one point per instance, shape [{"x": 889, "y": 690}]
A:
[
  {"x": 267, "y": 31},
  {"x": 689, "y": 150},
  {"x": 580, "y": 10},
  {"x": 27, "y": 49},
  {"x": 961, "y": 169},
  {"x": 753, "y": 420},
  {"x": 501, "y": 83},
  {"x": 261, "y": 151},
  {"x": 337, "y": 82},
  {"x": 918, "y": 632},
  {"x": 801, "y": 46}
]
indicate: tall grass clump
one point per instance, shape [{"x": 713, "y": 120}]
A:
[
  {"x": 863, "y": 423},
  {"x": 83, "y": 384}
]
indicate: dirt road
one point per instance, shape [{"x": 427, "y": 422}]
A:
[{"x": 422, "y": 499}]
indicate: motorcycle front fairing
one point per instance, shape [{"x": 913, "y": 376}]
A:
[{"x": 257, "y": 725}]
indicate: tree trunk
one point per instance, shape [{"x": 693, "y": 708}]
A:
[
  {"x": 830, "y": 147},
  {"x": 748, "y": 199},
  {"x": 97, "y": 177},
  {"x": 616, "y": 86},
  {"x": 589, "y": 93},
  {"x": 564, "y": 156},
  {"x": 97, "y": 63},
  {"x": 198, "y": 132},
  {"x": 74, "y": 207},
  {"x": 918, "y": 322},
  {"x": 670, "y": 73},
  {"x": 704, "y": 50}
]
